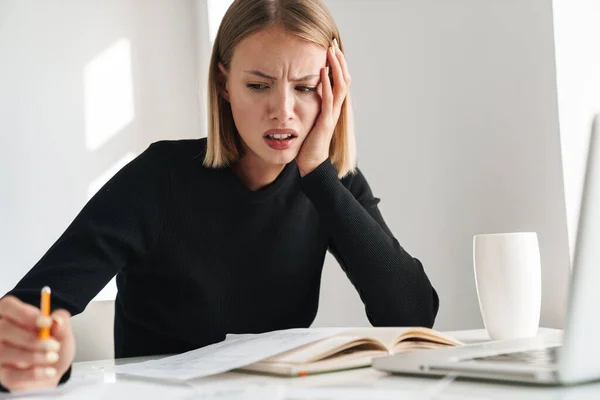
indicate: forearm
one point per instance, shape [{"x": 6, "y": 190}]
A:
[{"x": 391, "y": 283}]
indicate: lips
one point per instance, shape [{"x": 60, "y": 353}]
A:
[{"x": 280, "y": 139}]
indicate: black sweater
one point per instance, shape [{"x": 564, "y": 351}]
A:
[{"x": 198, "y": 255}]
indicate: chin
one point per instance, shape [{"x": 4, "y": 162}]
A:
[{"x": 280, "y": 157}]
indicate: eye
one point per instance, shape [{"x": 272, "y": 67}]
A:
[
  {"x": 306, "y": 89},
  {"x": 256, "y": 86}
]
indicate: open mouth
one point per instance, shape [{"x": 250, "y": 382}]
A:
[
  {"x": 280, "y": 141},
  {"x": 282, "y": 136}
]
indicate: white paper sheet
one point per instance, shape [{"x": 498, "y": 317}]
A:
[{"x": 234, "y": 352}]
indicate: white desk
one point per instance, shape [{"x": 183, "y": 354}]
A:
[{"x": 96, "y": 380}]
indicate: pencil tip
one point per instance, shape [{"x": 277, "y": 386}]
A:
[{"x": 46, "y": 289}]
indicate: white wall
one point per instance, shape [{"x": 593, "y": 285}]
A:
[
  {"x": 457, "y": 125},
  {"x": 576, "y": 32},
  {"x": 84, "y": 87}
]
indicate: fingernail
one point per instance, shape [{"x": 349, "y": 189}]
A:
[
  {"x": 51, "y": 357},
  {"x": 49, "y": 345},
  {"x": 43, "y": 321},
  {"x": 22, "y": 364},
  {"x": 50, "y": 372},
  {"x": 326, "y": 70},
  {"x": 59, "y": 321},
  {"x": 335, "y": 43}
]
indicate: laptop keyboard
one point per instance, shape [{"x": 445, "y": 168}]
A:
[{"x": 534, "y": 357}]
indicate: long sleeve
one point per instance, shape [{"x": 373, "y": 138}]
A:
[
  {"x": 391, "y": 283},
  {"x": 117, "y": 227}
]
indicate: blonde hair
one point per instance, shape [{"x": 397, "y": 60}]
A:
[{"x": 307, "y": 19}]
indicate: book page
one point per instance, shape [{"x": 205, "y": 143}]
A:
[
  {"x": 431, "y": 338},
  {"x": 327, "y": 347},
  {"x": 234, "y": 352},
  {"x": 387, "y": 335},
  {"x": 392, "y": 336}
]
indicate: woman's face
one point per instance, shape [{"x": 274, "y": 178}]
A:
[{"x": 273, "y": 84}]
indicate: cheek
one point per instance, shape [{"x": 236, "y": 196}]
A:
[
  {"x": 311, "y": 106},
  {"x": 245, "y": 108}
]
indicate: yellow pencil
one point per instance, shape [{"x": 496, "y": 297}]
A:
[{"x": 45, "y": 308}]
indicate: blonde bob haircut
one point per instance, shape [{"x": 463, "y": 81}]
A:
[{"x": 309, "y": 20}]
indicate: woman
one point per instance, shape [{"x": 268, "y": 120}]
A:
[{"x": 227, "y": 234}]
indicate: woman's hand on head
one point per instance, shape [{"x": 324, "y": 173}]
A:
[
  {"x": 315, "y": 148},
  {"x": 25, "y": 361}
]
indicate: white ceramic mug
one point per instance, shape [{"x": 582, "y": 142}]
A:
[{"x": 509, "y": 283}]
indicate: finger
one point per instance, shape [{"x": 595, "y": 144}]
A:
[
  {"x": 19, "y": 379},
  {"x": 339, "y": 84},
  {"x": 340, "y": 89},
  {"x": 22, "y": 314},
  {"x": 23, "y": 359},
  {"x": 327, "y": 95},
  {"x": 342, "y": 60},
  {"x": 16, "y": 336},
  {"x": 61, "y": 326}
]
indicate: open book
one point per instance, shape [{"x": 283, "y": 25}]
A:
[{"x": 353, "y": 348}]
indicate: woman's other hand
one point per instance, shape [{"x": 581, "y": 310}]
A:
[{"x": 27, "y": 362}]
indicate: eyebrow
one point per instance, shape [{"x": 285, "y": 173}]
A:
[{"x": 263, "y": 75}]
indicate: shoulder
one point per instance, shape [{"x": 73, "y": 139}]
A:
[
  {"x": 170, "y": 155},
  {"x": 184, "y": 149}
]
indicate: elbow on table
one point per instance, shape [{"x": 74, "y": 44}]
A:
[{"x": 421, "y": 313}]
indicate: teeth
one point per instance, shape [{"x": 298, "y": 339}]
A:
[{"x": 282, "y": 136}]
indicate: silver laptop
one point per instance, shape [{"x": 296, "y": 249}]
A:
[{"x": 558, "y": 360}]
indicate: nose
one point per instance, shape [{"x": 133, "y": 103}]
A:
[{"x": 281, "y": 105}]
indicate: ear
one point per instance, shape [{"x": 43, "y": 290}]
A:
[{"x": 222, "y": 81}]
